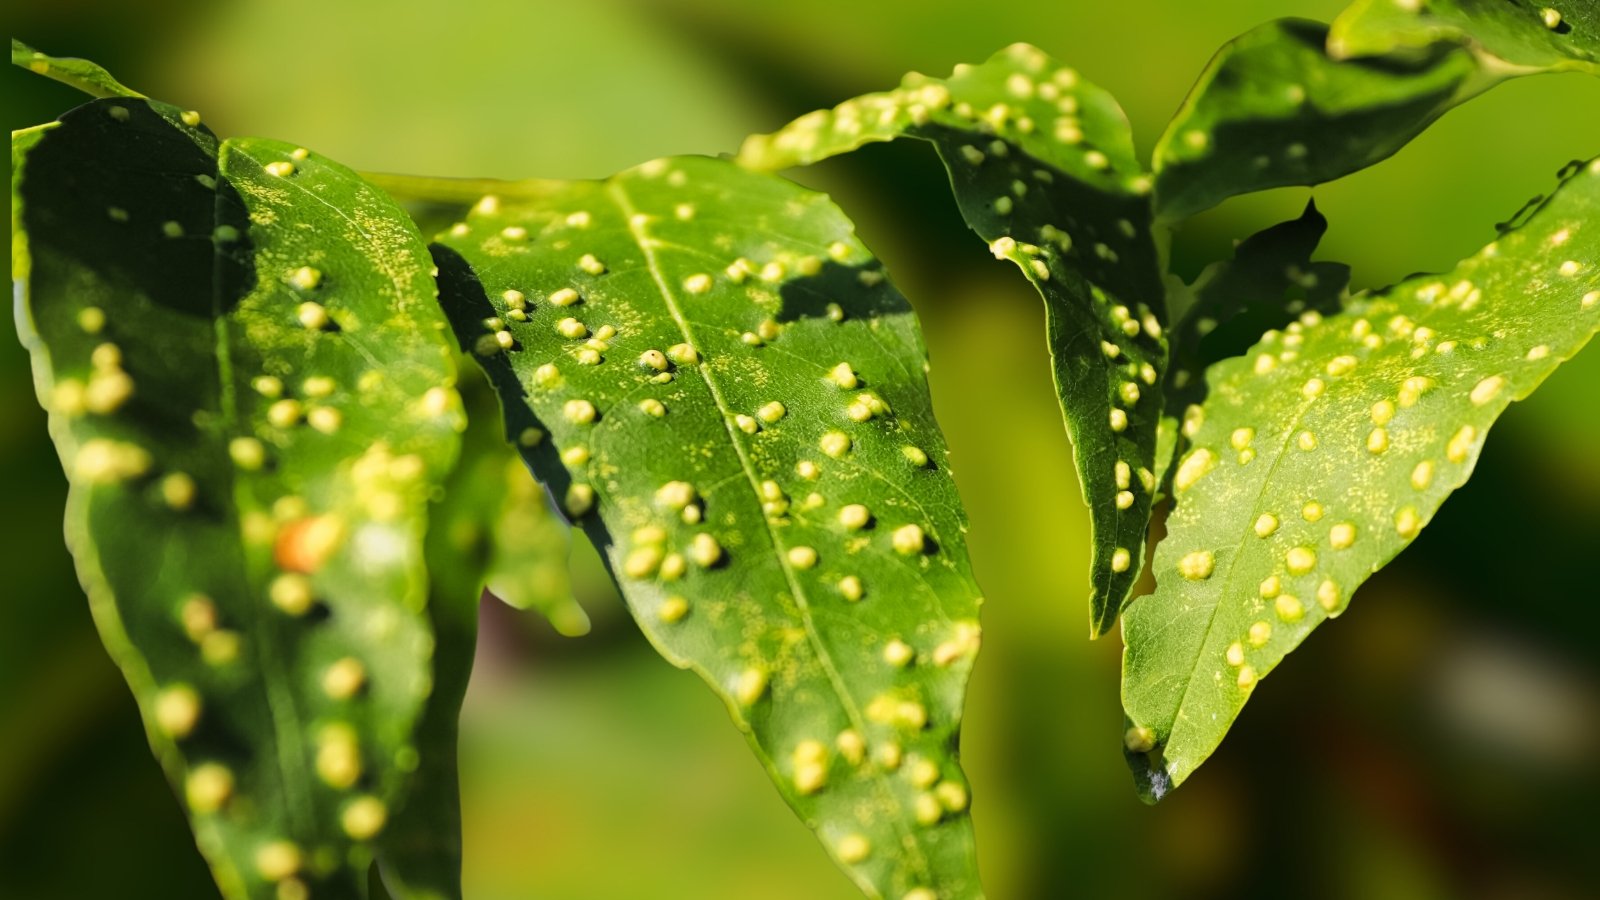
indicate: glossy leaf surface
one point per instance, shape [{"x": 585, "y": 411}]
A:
[
  {"x": 1323, "y": 453},
  {"x": 1043, "y": 169},
  {"x": 248, "y": 384},
  {"x": 716, "y": 377}
]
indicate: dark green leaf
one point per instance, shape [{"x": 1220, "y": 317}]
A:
[
  {"x": 419, "y": 853},
  {"x": 1043, "y": 169},
  {"x": 1509, "y": 39},
  {"x": 1270, "y": 282},
  {"x": 249, "y": 388},
  {"x": 1323, "y": 453},
  {"x": 1273, "y": 109},
  {"x": 713, "y": 372}
]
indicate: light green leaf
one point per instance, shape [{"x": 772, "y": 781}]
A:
[
  {"x": 1043, "y": 169},
  {"x": 715, "y": 376},
  {"x": 79, "y": 73},
  {"x": 1509, "y": 39},
  {"x": 1325, "y": 451},
  {"x": 1272, "y": 108},
  {"x": 249, "y": 389}
]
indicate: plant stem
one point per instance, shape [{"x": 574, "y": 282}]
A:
[{"x": 429, "y": 189}]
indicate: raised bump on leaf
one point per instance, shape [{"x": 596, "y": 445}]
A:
[
  {"x": 1269, "y": 282},
  {"x": 258, "y": 576},
  {"x": 668, "y": 315},
  {"x": 1344, "y": 477},
  {"x": 1042, "y": 165}
]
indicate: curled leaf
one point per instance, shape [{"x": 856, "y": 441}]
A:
[
  {"x": 1042, "y": 165},
  {"x": 249, "y": 389}
]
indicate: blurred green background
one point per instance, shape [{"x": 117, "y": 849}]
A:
[{"x": 1437, "y": 742}]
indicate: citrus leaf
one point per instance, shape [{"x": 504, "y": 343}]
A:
[
  {"x": 1325, "y": 451},
  {"x": 1270, "y": 282},
  {"x": 715, "y": 376},
  {"x": 1272, "y": 109},
  {"x": 79, "y": 73},
  {"x": 1508, "y": 38},
  {"x": 1042, "y": 166},
  {"x": 248, "y": 386}
]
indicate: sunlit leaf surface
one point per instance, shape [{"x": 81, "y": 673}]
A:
[
  {"x": 715, "y": 376},
  {"x": 1043, "y": 169},
  {"x": 1324, "y": 451}
]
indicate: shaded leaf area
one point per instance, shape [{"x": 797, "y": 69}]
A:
[
  {"x": 493, "y": 529},
  {"x": 1043, "y": 169},
  {"x": 248, "y": 386},
  {"x": 1274, "y": 109},
  {"x": 497, "y": 525},
  {"x": 1270, "y": 282},
  {"x": 1509, "y": 38},
  {"x": 79, "y": 73},
  {"x": 419, "y": 853},
  {"x": 1324, "y": 452},
  {"x": 716, "y": 377}
]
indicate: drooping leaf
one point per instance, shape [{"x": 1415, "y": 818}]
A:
[
  {"x": 1325, "y": 451},
  {"x": 1269, "y": 283},
  {"x": 1043, "y": 169},
  {"x": 715, "y": 376},
  {"x": 249, "y": 389},
  {"x": 1273, "y": 108},
  {"x": 1509, "y": 39}
]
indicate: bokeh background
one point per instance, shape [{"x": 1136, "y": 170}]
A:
[{"x": 1439, "y": 741}]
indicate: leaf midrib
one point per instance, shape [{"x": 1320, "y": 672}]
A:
[
  {"x": 636, "y": 230},
  {"x": 281, "y": 702}
]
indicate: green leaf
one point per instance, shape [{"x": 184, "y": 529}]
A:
[
  {"x": 715, "y": 376},
  {"x": 1042, "y": 166},
  {"x": 249, "y": 389},
  {"x": 497, "y": 525},
  {"x": 79, "y": 73},
  {"x": 1509, "y": 39},
  {"x": 1270, "y": 282},
  {"x": 1272, "y": 109},
  {"x": 1323, "y": 453},
  {"x": 419, "y": 854}
]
